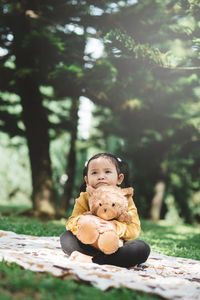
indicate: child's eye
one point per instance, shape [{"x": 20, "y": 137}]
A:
[
  {"x": 108, "y": 171},
  {"x": 93, "y": 173}
]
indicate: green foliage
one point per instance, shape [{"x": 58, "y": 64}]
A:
[
  {"x": 59, "y": 152},
  {"x": 152, "y": 105},
  {"x": 177, "y": 38},
  {"x": 139, "y": 51},
  {"x": 15, "y": 178}
]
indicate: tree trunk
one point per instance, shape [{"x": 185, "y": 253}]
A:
[
  {"x": 34, "y": 117},
  {"x": 36, "y": 124},
  {"x": 157, "y": 201},
  {"x": 71, "y": 166}
]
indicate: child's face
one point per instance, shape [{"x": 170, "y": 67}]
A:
[{"x": 102, "y": 171}]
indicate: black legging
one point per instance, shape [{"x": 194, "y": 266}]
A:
[{"x": 132, "y": 253}]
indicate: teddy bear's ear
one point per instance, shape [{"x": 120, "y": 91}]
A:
[
  {"x": 90, "y": 190},
  {"x": 128, "y": 192}
]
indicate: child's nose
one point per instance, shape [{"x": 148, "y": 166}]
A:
[{"x": 101, "y": 176}]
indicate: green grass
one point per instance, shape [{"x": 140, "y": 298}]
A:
[
  {"x": 172, "y": 239},
  {"x": 17, "y": 283}
]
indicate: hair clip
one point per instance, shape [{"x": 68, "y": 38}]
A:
[
  {"x": 86, "y": 163},
  {"x": 119, "y": 159}
]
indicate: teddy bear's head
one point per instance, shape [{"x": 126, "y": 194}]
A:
[{"x": 108, "y": 202}]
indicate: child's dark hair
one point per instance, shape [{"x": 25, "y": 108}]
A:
[{"x": 121, "y": 167}]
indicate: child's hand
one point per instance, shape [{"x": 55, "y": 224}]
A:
[
  {"x": 84, "y": 219},
  {"x": 102, "y": 225},
  {"x": 105, "y": 226}
]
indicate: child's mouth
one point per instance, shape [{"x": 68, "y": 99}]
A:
[{"x": 101, "y": 183}]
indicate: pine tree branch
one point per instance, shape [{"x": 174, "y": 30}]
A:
[
  {"x": 143, "y": 51},
  {"x": 179, "y": 68}
]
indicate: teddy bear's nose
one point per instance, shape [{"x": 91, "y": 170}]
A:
[{"x": 105, "y": 209}]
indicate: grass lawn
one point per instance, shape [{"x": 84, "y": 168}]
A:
[{"x": 17, "y": 283}]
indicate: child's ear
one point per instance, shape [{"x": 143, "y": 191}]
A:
[
  {"x": 128, "y": 192},
  {"x": 120, "y": 178},
  {"x": 86, "y": 179}
]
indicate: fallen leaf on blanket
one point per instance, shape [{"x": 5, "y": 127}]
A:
[
  {"x": 2, "y": 234},
  {"x": 113, "y": 268},
  {"x": 160, "y": 268},
  {"x": 100, "y": 275},
  {"x": 6, "y": 248},
  {"x": 40, "y": 266}
]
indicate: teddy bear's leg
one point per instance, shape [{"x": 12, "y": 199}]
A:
[
  {"x": 88, "y": 233},
  {"x": 108, "y": 242}
]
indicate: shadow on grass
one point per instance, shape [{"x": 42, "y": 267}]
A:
[{"x": 175, "y": 239}]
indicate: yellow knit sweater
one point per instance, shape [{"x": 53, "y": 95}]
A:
[{"x": 124, "y": 231}]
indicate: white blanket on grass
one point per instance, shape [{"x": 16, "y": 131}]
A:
[{"x": 167, "y": 276}]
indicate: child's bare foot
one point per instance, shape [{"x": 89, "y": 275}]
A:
[{"x": 78, "y": 256}]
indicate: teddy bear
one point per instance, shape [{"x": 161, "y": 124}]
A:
[{"x": 107, "y": 203}]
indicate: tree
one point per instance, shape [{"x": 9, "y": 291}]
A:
[
  {"x": 153, "y": 93},
  {"x": 35, "y": 56},
  {"x": 42, "y": 48}
]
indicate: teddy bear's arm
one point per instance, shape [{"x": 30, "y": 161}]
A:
[
  {"x": 131, "y": 231},
  {"x": 125, "y": 217}
]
